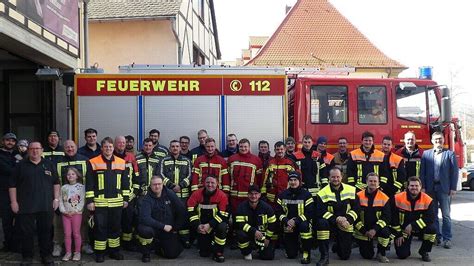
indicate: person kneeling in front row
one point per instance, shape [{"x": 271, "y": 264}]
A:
[{"x": 161, "y": 215}]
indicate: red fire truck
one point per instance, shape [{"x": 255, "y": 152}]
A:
[{"x": 263, "y": 103}]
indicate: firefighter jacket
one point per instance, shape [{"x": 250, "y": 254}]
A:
[
  {"x": 157, "y": 212},
  {"x": 146, "y": 167},
  {"x": 295, "y": 203},
  {"x": 131, "y": 164},
  {"x": 205, "y": 207},
  {"x": 275, "y": 179},
  {"x": 176, "y": 171},
  {"x": 54, "y": 155},
  {"x": 244, "y": 170},
  {"x": 197, "y": 151},
  {"x": 77, "y": 161},
  {"x": 362, "y": 163},
  {"x": 315, "y": 168},
  {"x": 160, "y": 150},
  {"x": 395, "y": 179},
  {"x": 332, "y": 203},
  {"x": 374, "y": 212},
  {"x": 210, "y": 165},
  {"x": 419, "y": 212},
  {"x": 340, "y": 160},
  {"x": 107, "y": 182},
  {"x": 412, "y": 160},
  {"x": 262, "y": 218}
]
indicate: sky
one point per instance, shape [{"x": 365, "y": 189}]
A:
[{"x": 416, "y": 33}]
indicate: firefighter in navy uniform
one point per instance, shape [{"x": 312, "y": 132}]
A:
[
  {"x": 176, "y": 172},
  {"x": 336, "y": 213},
  {"x": 255, "y": 224},
  {"x": 411, "y": 154},
  {"x": 395, "y": 179},
  {"x": 207, "y": 208},
  {"x": 373, "y": 220},
  {"x": 314, "y": 164},
  {"x": 413, "y": 211},
  {"x": 294, "y": 211},
  {"x": 161, "y": 215},
  {"x": 363, "y": 161},
  {"x": 107, "y": 192},
  {"x": 147, "y": 162},
  {"x": 52, "y": 150}
]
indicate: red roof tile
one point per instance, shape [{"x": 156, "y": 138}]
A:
[{"x": 315, "y": 34}]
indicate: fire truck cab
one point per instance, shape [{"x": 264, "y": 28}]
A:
[{"x": 346, "y": 107}]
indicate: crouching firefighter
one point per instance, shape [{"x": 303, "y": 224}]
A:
[
  {"x": 107, "y": 192},
  {"x": 413, "y": 211},
  {"x": 161, "y": 215},
  {"x": 295, "y": 210},
  {"x": 373, "y": 220},
  {"x": 336, "y": 213},
  {"x": 255, "y": 223},
  {"x": 207, "y": 208}
]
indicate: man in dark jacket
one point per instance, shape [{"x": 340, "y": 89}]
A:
[
  {"x": 161, "y": 215},
  {"x": 8, "y": 160},
  {"x": 295, "y": 210}
]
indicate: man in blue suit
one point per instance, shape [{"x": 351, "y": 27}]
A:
[{"x": 439, "y": 175}]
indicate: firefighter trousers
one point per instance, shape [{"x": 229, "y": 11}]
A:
[
  {"x": 213, "y": 241},
  {"x": 184, "y": 232},
  {"x": 343, "y": 239},
  {"x": 366, "y": 246},
  {"x": 167, "y": 244},
  {"x": 128, "y": 223},
  {"x": 290, "y": 239},
  {"x": 247, "y": 243},
  {"x": 107, "y": 228},
  {"x": 429, "y": 237}
]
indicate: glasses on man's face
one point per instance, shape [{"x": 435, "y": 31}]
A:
[{"x": 184, "y": 142}]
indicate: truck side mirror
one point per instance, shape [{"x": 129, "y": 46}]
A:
[{"x": 445, "y": 105}]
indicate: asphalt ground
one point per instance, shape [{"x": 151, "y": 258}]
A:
[{"x": 462, "y": 252}]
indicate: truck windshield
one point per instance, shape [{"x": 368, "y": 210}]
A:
[{"x": 411, "y": 104}]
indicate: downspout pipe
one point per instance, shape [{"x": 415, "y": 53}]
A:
[{"x": 178, "y": 41}]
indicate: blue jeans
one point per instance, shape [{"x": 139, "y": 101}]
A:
[{"x": 442, "y": 201}]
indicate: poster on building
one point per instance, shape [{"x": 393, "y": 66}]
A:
[{"x": 61, "y": 17}]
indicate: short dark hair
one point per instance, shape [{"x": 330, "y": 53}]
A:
[
  {"x": 107, "y": 140},
  {"x": 129, "y": 137},
  {"x": 279, "y": 144},
  {"x": 147, "y": 140},
  {"x": 372, "y": 174},
  {"x": 336, "y": 168},
  {"x": 414, "y": 179},
  {"x": 174, "y": 140},
  {"x": 89, "y": 131},
  {"x": 387, "y": 138},
  {"x": 263, "y": 142},
  {"x": 367, "y": 134},
  {"x": 307, "y": 137},
  {"x": 153, "y": 131},
  {"x": 342, "y": 138},
  {"x": 184, "y": 137}
]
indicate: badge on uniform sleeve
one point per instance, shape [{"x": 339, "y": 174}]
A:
[{"x": 47, "y": 172}]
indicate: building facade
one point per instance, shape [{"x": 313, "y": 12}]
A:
[
  {"x": 40, "y": 44},
  {"x": 152, "y": 32}
]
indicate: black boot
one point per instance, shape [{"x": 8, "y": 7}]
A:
[
  {"x": 306, "y": 259},
  {"x": 116, "y": 255},
  {"x": 99, "y": 257},
  {"x": 146, "y": 257},
  {"x": 324, "y": 250}
]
